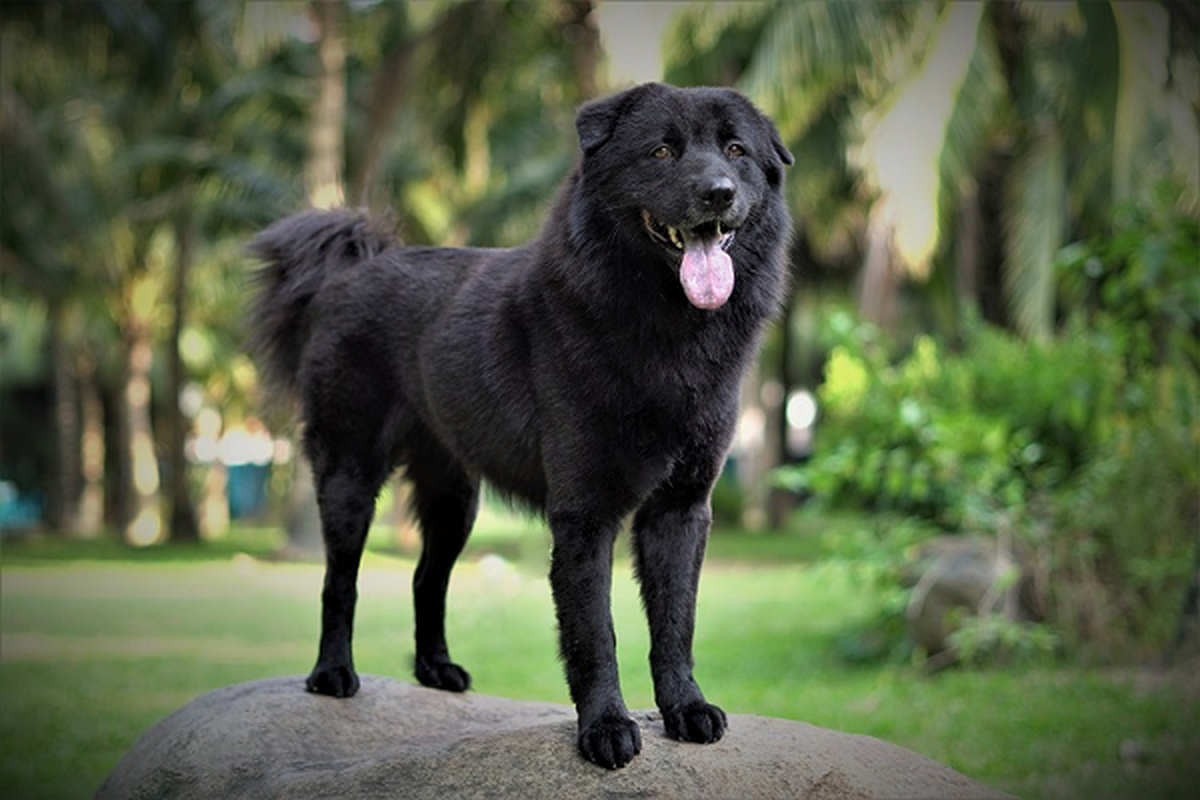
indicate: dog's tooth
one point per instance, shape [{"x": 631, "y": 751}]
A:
[
  {"x": 718, "y": 228},
  {"x": 674, "y": 234}
]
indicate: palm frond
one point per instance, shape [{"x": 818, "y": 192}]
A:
[
  {"x": 1076, "y": 65},
  {"x": 1034, "y": 227},
  {"x": 978, "y": 112},
  {"x": 808, "y": 53},
  {"x": 710, "y": 44},
  {"x": 904, "y": 145}
]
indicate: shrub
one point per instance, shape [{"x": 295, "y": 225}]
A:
[
  {"x": 1129, "y": 519},
  {"x": 951, "y": 436},
  {"x": 1083, "y": 450}
]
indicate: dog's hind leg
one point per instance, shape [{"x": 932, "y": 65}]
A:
[
  {"x": 445, "y": 500},
  {"x": 346, "y": 492}
]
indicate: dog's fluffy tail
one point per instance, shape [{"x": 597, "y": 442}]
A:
[{"x": 298, "y": 252}]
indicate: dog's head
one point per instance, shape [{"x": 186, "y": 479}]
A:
[{"x": 684, "y": 173}]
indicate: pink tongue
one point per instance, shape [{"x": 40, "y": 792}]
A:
[{"x": 706, "y": 274}]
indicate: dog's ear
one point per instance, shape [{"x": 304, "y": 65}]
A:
[
  {"x": 777, "y": 144},
  {"x": 597, "y": 120},
  {"x": 773, "y": 167},
  {"x": 781, "y": 150},
  {"x": 595, "y": 123}
]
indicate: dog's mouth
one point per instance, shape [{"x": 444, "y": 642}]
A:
[
  {"x": 705, "y": 268},
  {"x": 677, "y": 238}
]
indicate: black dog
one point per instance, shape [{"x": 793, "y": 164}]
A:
[{"x": 591, "y": 373}]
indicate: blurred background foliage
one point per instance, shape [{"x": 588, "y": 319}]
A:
[{"x": 996, "y": 289}]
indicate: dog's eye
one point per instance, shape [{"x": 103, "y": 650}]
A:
[
  {"x": 662, "y": 151},
  {"x": 735, "y": 150}
]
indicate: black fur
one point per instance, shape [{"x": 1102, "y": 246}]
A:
[{"x": 572, "y": 373}]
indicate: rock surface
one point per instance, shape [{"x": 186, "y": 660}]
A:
[{"x": 270, "y": 738}]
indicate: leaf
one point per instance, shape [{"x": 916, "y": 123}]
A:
[
  {"x": 1034, "y": 225},
  {"x": 978, "y": 112},
  {"x": 811, "y": 52},
  {"x": 903, "y": 148}
]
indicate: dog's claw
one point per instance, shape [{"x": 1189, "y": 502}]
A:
[
  {"x": 699, "y": 722},
  {"x": 338, "y": 681},
  {"x": 442, "y": 674},
  {"x": 611, "y": 741}
]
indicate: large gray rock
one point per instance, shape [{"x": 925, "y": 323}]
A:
[
  {"x": 272, "y": 739},
  {"x": 957, "y": 576}
]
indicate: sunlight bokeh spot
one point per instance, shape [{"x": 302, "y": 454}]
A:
[{"x": 146, "y": 529}]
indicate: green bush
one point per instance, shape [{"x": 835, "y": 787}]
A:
[
  {"x": 993, "y": 638},
  {"x": 950, "y": 436},
  {"x": 1129, "y": 519},
  {"x": 1082, "y": 451}
]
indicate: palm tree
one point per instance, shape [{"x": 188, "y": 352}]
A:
[
  {"x": 190, "y": 170},
  {"x": 132, "y": 140},
  {"x": 963, "y": 118},
  {"x": 46, "y": 250}
]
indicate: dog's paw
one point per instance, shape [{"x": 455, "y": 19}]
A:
[
  {"x": 442, "y": 674},
  {"x": 337, "y": 681},
  {"x": 611, "y": 741},
  {"x": 698, "y": 722}
]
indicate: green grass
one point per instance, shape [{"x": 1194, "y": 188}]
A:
[{"x": 100, "y": 642}]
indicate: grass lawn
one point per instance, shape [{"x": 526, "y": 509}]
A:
[{"x": 99, "y": 642}]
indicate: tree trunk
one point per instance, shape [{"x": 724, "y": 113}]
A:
[
  {"x": 323, "y": 172},
  {"x": 64, "y": 495},
  {"x": 406, "y": 533},
  {"x": 143, "y": 523},
  {"x": 582, "y": 35},
  {"x": 184, "y": 526},
  {"x": 967, "y": 256},
  {"x": 753, "y": 448},
  {"x": 477, "y": 151},
  {"x": 1187, "y": 632},
  {"x": 780, "y": 502},
  {"x": 387, "y": 92},
  {"x": 989, "y": 285},
  {"x": 89, "y": 517},
  {"x": 880, "y": 285},
  {"x": 214, "y": 506},
  {"x": 303, "y": 518}
]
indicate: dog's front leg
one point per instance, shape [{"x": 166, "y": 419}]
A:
[
  {"x": 581, "y": 579},
  {"x": 670, "y": 532}
]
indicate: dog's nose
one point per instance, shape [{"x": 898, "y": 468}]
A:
[{"x": 717, "y": 194}]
